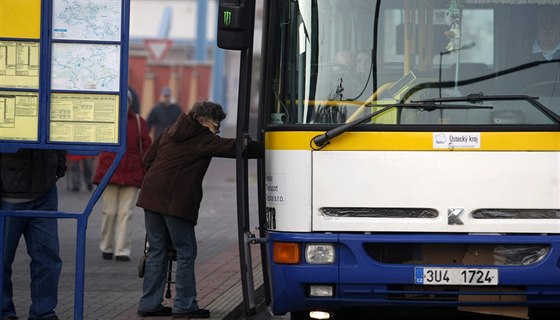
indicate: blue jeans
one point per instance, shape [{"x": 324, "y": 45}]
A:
[
  {"x": 41, "y": 238},
  {"x": 164, "y": 231}
]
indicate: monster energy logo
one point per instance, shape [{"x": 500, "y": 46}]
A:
[{"x": 227, "y": 18}]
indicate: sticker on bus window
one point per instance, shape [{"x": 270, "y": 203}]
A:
[{"x": 456, "y": 140}]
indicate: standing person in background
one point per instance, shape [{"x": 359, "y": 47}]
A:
[
  {"x": 80, "y": 166},
  {"x": 163, "y": 114},
  {"x": 119, "y": 197},
  {"x": 171, "y": 195},
  {"x": 29, "y": 183}
]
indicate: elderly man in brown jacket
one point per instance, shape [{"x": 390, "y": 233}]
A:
[{"x": 170, "y": 195}]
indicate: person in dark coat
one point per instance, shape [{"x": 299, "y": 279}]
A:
[
  {"x": 171, "y": 195},
  {"x": 121, "y": 193},
  {"x": 29, "y": 183},
  {"x": 163, "y": 114}
]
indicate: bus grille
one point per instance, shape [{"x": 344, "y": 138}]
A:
[
  {"x": 516, "y": 214},
  {"x": 482, "y": 254},
  {"x": 456, "y": 293},
  {"x": 365, "y": 212}
]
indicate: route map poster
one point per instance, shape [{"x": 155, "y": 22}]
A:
[
  {"x": 87, "y": 19},
  {"x": 77, "y": 66},
  {"x": 74, "y": 96}
]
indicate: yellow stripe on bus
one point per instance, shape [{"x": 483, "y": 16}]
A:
[{"x": 412, "y": 141}]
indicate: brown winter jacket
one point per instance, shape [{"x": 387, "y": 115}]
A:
[{"x": 176, "y": 164}]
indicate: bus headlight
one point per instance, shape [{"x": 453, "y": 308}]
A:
[{"x": 319, "y": 253}]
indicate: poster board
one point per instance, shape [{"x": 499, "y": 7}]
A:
[{"x": 63, "y": 71}]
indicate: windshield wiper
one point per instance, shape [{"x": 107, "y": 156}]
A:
[
  {"x": 479, "y": 97},
  {"x": 322, "y": 139},
  {"x": 427, "y": 105},
  {"x": 449, "y": 84},
  {"x": 430, "y": 105}
]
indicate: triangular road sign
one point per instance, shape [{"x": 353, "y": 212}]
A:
[{"x": 158, "y": 48}]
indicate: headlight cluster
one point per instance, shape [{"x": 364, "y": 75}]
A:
[
  {"x": 319, "y": 253},
  {"x": 315, "y": 253}
]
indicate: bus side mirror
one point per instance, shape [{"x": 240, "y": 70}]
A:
[{"x": 235, "y": 24}]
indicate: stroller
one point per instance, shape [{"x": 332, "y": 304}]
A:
[{"x": 171, "y": 256}]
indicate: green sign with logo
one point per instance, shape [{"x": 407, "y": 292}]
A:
[{"x": 227, "y": 18}]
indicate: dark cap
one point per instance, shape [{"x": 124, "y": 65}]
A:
[{"x": 165, "y": 91}]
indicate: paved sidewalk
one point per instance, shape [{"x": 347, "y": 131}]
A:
[
  {"x": 112, "y": 288},
  {"x": 218, "y": 286}
]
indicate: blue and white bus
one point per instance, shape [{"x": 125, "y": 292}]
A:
[{"x": 412, "y": 155}]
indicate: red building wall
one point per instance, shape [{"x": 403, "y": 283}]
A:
[{"x": 190, "y": 79}]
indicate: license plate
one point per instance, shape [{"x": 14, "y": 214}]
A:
[{"x": 456, "y": 276}]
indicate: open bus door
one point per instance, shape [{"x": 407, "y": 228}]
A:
[{"x": 235, "y": 32}]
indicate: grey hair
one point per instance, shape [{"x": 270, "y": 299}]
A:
[{"x": 207, "y": 109}]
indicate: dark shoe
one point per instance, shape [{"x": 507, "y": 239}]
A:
[
  {"x": 163, "y": 312},
  {"x": 200, "y": 313},
  {"x": 107, "y": 256},
  {"x": 10, "y": 318},
  {"x": 122, "y": 258}
]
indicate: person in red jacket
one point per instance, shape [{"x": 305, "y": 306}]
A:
[{"x": 119, "y": 197}]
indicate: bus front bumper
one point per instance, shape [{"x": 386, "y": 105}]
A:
[{"x": 355, "y": 279}]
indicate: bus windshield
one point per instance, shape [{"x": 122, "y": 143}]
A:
[{"x": 339, "y": 60}]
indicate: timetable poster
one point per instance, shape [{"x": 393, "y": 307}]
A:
[
  {"x": 19, "y": 64},
  {"x": 84, "y": 118},
  {"x": 19, "y": 115}
]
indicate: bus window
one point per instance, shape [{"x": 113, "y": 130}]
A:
[{"x": 333, "y": 68}]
